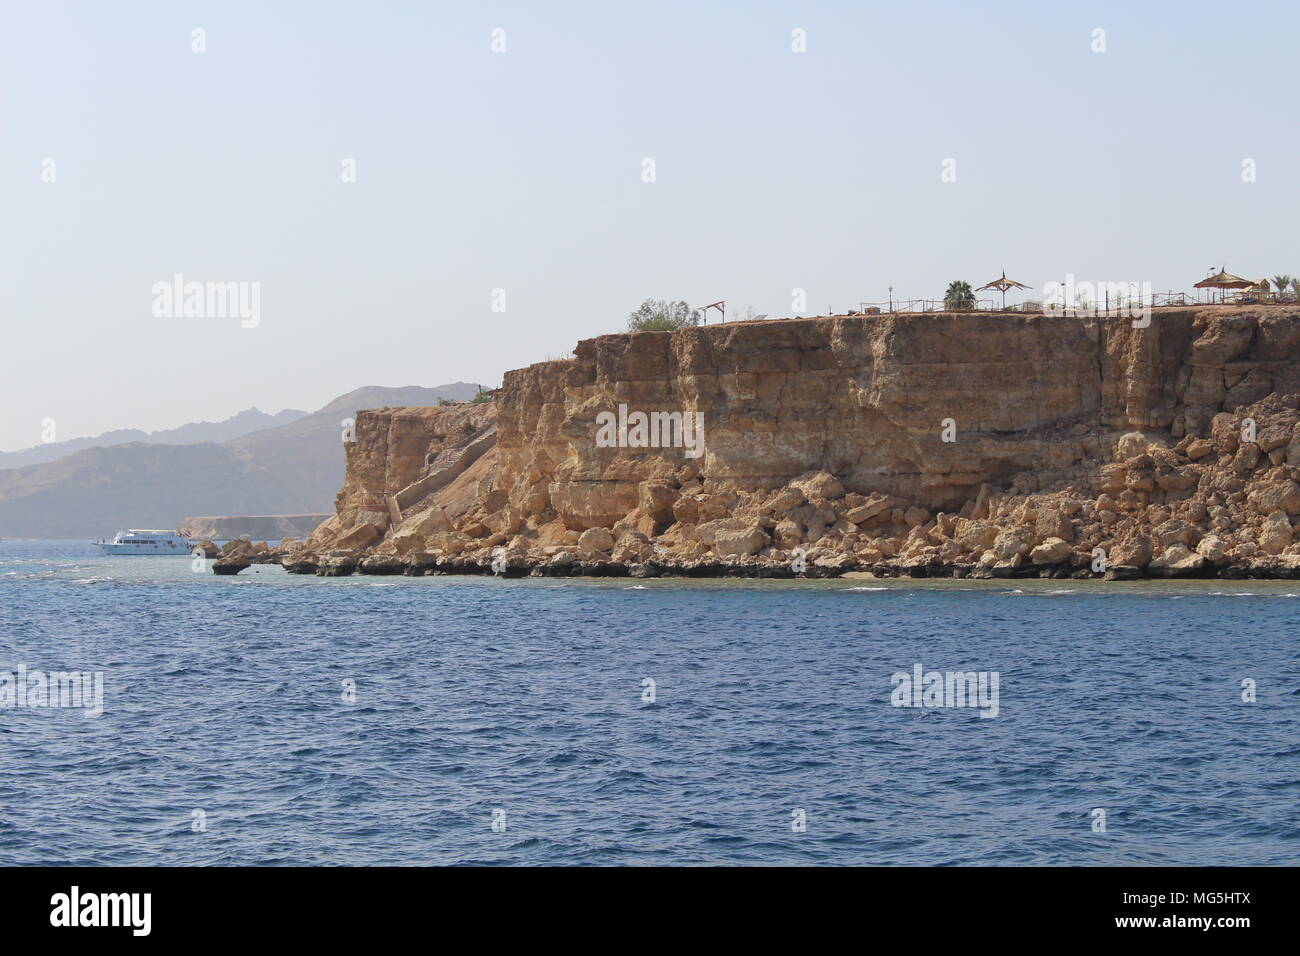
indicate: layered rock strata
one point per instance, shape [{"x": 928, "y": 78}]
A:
[{"x": 940, "y": 444}]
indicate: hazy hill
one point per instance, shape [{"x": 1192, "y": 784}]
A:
[
  {"x": 292, "y": 468},
  {"x": 249, "y": 420},
  {"x": 308, "y": 454},
  {"x": 96, "y": 492}
]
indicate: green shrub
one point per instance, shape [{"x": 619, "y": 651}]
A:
[{"x": 658, "y": 315}]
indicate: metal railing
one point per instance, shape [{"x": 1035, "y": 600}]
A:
[
  {"x": 930, "y": 305},
  {"x": 1105, "y": 306}
]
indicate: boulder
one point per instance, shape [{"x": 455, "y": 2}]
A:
[
  {"x": 1176, "y": 479},
  {"x": 657, "y": 499},
  {"x": 236, "y": 546},
  {"x": 1133, "y": 551},
  {"x": 716, "y": 506},
  {"x": 1274, "y": 496},
  {"x": 1246, "y": 460},
  {"x": 449, "y": 544},
  {"x": 430, "y": 522},
  {"x": 1051, "y": 551},
  {"x": 1130, "y": 445},
  {"x": 1275, "y": 534},
  {"x": 1273, "y": 436},
  {"x": 507, "y": 521},
  {"x": 231, "y": 563},
  {"x": 728, "y": 542},
  {"x": 420, "y": 563},
  {"x": 632, "y": 548},
  {"x": 1213, "y": 549},
  {"x": 336, "y": 564},
  {"x": 362, "y": 536},
  {"x": 915, "y": 517},
  {"x": 686, "y": 510},
  {"x": 408, "y": 542},
  {"x": 1009, "y": 545},
  {"x": 787, "y": 534},
  {"x": 975, "y": 535},
  {"x": 1176, "y": 561},
  {"x": 1113, "y": 478},
  {"x": 837, "y": 562},
  {"x": 595, "y": 540},
  {"x": 1172, "y": 532},
  {"x": 873, "y": 507},
  {"x": 1122, "y": 572},
  {"x": 1053, "y": 523},
  {"x": 381, "y": 564},
  {"x": 819, "y": 484},
  {"x": 1007, "y": 567},
  {"x": 299, "y": 560},
  {"x": 593, "y": 504},
  {"x": 786, "y": 500}
]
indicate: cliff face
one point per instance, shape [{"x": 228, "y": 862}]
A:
[
  {"x": 931, "y": 414},
  {"x": 866, "y": 398},
  {"x": 410, "y": 458}
]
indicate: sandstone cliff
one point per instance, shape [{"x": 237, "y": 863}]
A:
[
  {"x": 291, "y": 468},
  {"x": 984, "y": 444}
]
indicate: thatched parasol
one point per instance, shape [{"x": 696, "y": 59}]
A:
[
  {"x": 1003, "y": 284},
  {"x": 1224, "y": 280}
]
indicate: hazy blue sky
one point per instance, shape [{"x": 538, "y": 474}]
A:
[{"x": 522, "y": 171}]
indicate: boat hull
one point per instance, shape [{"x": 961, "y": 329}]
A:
[
  {"x": 147, "y": 545},
  {"x": 145, "y": 550}
]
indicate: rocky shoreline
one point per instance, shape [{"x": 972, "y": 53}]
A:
[
  {"x": 1203, "y": 508},
  {"x": 347, "y": 563},
  {"x": 948, "y": 446}
]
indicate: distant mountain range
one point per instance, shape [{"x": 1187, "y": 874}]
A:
[
  {"x": 292, "y": 467},
  {"x": 249, "y": 420}
]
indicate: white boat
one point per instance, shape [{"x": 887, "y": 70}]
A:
[{"x": 142, "y": 542}]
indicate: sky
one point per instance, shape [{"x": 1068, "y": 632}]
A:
[{"x": 503, "y": 208}]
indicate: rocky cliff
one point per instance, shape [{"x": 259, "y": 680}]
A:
[
  {"x": 938, "y": 443},
  {"x": 292, "y": 468}
]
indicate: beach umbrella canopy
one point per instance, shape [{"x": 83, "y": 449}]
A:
[
  {"x": 1003, "y": 284},
  {"x": 1224, "y": 280}
]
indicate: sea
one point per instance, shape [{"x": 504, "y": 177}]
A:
[{"x": 272, "y": 719}]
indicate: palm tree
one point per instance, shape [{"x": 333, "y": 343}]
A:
[
  {"x": 959, "y": 296},
  {"x": 1282, "y": 282},
  {"x": 1295, "y": 288}
]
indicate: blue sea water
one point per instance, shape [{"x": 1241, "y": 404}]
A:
[{"x": 473, "y": 695}]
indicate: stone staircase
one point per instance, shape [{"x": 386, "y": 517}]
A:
[{"x": 444, "y": 469}]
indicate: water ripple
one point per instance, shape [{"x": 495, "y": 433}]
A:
[{"x": 524, "y": 702}]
